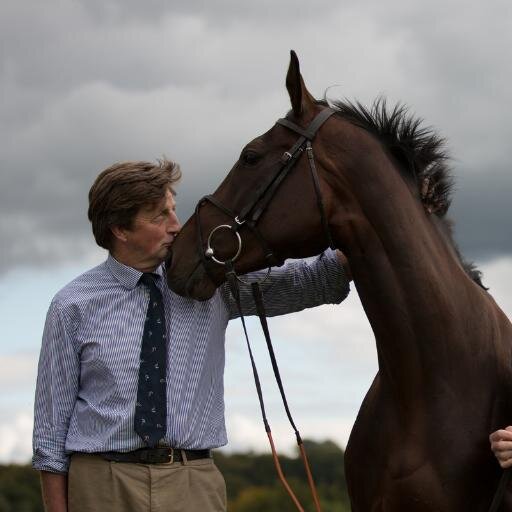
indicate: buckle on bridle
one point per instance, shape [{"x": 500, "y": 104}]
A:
[{"x": 287, "y": 156}]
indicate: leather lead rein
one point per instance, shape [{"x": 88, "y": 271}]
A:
[{"x": 260, "y": 308}]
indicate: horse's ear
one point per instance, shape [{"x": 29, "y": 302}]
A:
[{"x": 301, "y": 100}]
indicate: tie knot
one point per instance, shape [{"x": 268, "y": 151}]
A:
[{"x": 149, "y": 279}]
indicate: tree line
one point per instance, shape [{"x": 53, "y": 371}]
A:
[{"x": 251, "y": 481}]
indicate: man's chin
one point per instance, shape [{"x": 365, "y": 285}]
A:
[{"x": 165, "y": 252}]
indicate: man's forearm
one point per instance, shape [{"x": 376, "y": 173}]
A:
[
  {"x": 55, "y": 491},
  {"x": 344, "y": 263}
]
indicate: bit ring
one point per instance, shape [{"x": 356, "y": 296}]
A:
[{"x": 209, "y": 253}]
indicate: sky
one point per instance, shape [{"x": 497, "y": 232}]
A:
[{"x": 87, "y": 83}]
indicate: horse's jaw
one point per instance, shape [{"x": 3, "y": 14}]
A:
[{"x": 196, "y": 285}]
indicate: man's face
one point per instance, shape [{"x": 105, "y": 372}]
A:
[{"x": 154, "y": 228}]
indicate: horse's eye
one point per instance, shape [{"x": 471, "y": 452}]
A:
[{"x": 249, "y": 157}]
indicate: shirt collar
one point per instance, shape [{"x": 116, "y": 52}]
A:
[{"x": 128, "y": 276}]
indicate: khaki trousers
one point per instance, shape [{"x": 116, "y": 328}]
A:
[{"x": 98, "y": 485}]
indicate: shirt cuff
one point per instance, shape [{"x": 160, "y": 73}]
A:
[
  {"x": 339, "y": 283},
  {"x": 51, "y": 464}
]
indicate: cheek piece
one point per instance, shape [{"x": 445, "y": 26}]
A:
[{"x": 258, "y": 202}]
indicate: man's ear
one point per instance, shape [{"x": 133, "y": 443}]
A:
[
  {"x": 300, "y": 98},
  {"x": 119, "y": 233}
]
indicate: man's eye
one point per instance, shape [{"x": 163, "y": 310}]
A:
[{"x": 250, "y": 157}]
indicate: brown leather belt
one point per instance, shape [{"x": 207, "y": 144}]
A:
[{"x": 156, "y": 455}]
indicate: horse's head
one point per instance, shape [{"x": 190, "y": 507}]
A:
[
  {"x": 272, "y": 189},
  {"x": 377, "y": 176}
]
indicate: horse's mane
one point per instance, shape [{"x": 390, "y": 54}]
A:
[{"x": 419, "y": 151}]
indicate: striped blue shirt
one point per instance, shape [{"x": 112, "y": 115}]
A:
[{"x": 89, "y": 362}]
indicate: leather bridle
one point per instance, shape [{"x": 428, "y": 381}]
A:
[
  {"x": 249, "y": 217},
  {"x": 258, "y": 202}
]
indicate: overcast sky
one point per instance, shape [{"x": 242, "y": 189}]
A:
[{"x": 87, "y": 83}]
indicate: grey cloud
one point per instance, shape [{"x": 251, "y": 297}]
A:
[
  {"x": 220, "y": 12},
  {"x": 86, "y": 84},
  {"x": 481, "y": 209},
  {"x": 135, "y": 45}
]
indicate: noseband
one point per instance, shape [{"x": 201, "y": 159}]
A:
[{"x": 258, "y": 202}]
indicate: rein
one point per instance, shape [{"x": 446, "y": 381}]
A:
[
  {"x": 232, "y": 279},
  {"x": 249, "y": 217}
]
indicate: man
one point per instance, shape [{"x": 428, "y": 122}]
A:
[{"x": 129, "y": 370}]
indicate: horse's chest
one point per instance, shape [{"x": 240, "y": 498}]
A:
[{"x": 417, "y": 462}]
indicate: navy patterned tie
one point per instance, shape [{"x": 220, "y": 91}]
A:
[{"x": 151, "y": 406}]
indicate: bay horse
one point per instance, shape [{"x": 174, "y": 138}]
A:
[{"x": 444, "y": 383}]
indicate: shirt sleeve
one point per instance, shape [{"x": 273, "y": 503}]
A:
[
  {"x": 56, "y": 392},
  {"x": 297, "y": 285}
]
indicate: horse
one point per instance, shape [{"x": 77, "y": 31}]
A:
[{"x": 444, "y": 347}]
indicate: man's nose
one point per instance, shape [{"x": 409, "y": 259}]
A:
[{"x": 174, "y": 225}]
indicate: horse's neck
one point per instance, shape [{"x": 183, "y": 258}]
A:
[{"x": 411, "y": 284}]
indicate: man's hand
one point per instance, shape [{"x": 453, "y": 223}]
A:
[
  {"x": 54, "y": 488},
  {"x": 344, "y": 262},
  {"x": 501, "y": 445}
]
